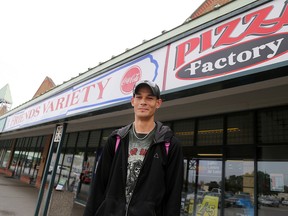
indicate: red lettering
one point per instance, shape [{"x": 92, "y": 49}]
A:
[
  {"x": 184, "y": 49},
  {"x": 17, "y": 120},
  {"x": 262, "y": 26},
  {"x": 101, "y": 88},
  {"x": 206, "y": 40},
  {"x": 48, "y": 107},
  {"x": 255, "y": 23},
  {"x": 59, "y": 104},
  {"x": 75, "y": 98},
  {"x": 227, "y": 29},
  {"x": 86, "y": 91},
  {"x": 32, "y": 113},
  {"x": 67, "y": 100}
]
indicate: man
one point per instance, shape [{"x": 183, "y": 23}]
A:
[{"x": 143, "y": 176}]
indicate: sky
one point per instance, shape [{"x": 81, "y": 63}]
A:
[{"x": 63, "y": 38}]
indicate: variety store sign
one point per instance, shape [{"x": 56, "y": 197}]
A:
[
  {"x": 254, "y": 39},
  {"x": 108, "y": 89}
]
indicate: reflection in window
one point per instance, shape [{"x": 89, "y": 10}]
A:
[
  {"x": 78, "y": 161},
  {"x": 209, "y": 182},
  {"x": 16, "y": 156},
  {"x": 60, "y": 162},
  {"x": 5, "y": 152},
  {"x": 5, "y": 156},
  {"x": 88, "y": 164},
  {"x": 65, "y": 165},
  {"x": 239, "y": 187},
  {"x": 272, "y": 188},
  {"x": 203, "y": 178}
]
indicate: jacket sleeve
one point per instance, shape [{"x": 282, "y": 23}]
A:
[
  {"x": 101, "y": 179},
  {"x": 174, "y": 179}
]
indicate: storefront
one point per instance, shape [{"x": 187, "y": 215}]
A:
[{"x": 224, "y": 83}]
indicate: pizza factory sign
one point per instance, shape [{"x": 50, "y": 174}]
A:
[{"x": 249, "y": 40}]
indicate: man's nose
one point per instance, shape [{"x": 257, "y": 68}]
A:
[{"x": 143, "y": 101}]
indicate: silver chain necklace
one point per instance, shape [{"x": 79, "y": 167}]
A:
[{"x": 135, "y": 134}]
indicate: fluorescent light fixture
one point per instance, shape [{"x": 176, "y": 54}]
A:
[
  {"x": 210, "y": 155},
  {"x": 208, "y": 131}
]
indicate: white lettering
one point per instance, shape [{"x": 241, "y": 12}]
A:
[
  {"x": 233, "y": 58},
  {"x": 274, "y": 47}
]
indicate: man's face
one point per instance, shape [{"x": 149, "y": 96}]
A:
[{"x": 145, "y": 103}]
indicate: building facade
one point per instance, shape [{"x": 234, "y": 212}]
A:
[{"x": 224, "y": 84}]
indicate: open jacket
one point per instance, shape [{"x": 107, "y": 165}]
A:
[{"x": 159, "y": 185}]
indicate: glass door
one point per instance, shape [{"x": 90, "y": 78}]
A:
[
  {"x": 202, "y": 187},
  {"x": 239, "y": 188}
]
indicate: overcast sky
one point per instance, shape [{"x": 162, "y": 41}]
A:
[{"x": 63, "y": 38}]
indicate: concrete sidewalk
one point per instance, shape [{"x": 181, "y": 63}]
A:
[{"x": 20, "y": 199}]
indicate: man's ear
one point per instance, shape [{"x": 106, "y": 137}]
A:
[{"x": 132, "y": 101}]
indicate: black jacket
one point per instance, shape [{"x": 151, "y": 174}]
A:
[{"x": 159, "y": 185}]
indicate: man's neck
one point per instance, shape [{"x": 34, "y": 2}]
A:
[{"x": 144, "y": 126}]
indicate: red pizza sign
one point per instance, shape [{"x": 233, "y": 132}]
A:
[{"x": 237, "y": 44}]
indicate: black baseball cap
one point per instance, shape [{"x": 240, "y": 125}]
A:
[{"x": 153, "y": 86}]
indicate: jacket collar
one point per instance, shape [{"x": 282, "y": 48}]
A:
[{"x": 163, "y": 133}]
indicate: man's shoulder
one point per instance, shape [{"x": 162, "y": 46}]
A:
[{"x": 121, "y": 131}]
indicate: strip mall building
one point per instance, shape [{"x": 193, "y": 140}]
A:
[{"x": 224, "y": 83}]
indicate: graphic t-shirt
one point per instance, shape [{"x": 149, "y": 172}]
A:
[{"x": 138, "y": 146}]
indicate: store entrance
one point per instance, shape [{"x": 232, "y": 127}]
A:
[
  {"x": 216, "y": 187},
  {"x": 202, "y": 186}
]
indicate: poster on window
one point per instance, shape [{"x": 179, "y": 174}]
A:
[{"x": 277, "y": 182}]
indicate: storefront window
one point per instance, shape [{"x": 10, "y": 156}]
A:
[
  {"x": 89, "y": 162},
  {"x": 202, "y": 183},
  {"x": 210, "y": 131},
  {"x": 240, "y": 129},
  {"x": 184, "y": 130},
  {"x": 273, "y": 181},
  {"x": 6, "y": 158},
  {"x": 24, "y": 168},
  {"x": 65, "y": 165},
  {"x": 29, "y": 154},
  {"x": 16, "y": 162},
  {"x": 5, "y": 153},
  {"x": 273, "y": 126},
  {"x": 187, "y": 201},
  {"x": 239, "y": 188},
  {"x": 78, "y": 160},
  {"x": 59, "y": 167},
  {"x": 37, "y": 157}
]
